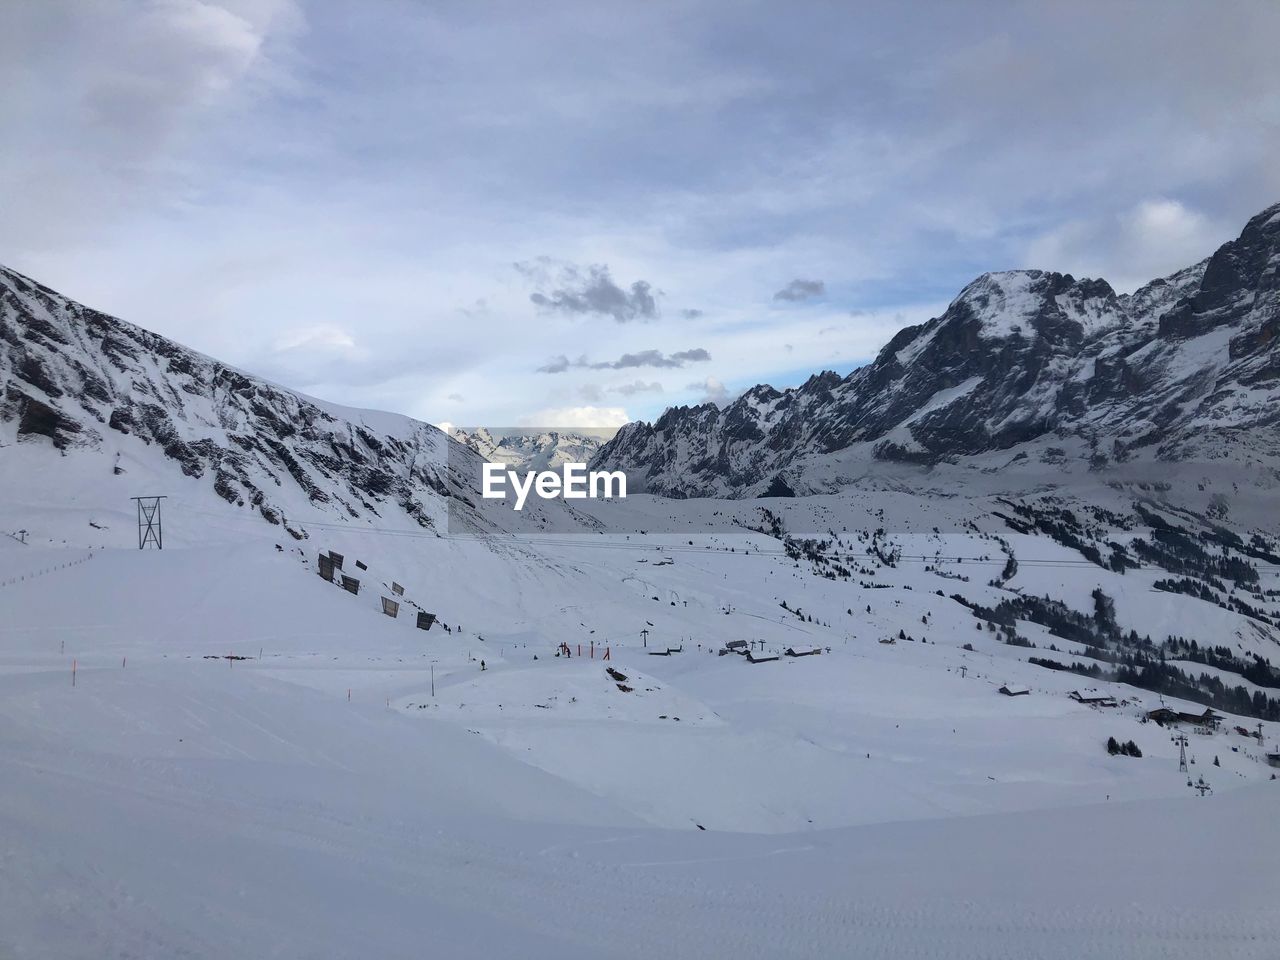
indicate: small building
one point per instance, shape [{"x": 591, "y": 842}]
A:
[
  {"x": 1167, "y": 717},
  {"x": 1093, "y": 699},
  {"x": 1015, "y": 690},
  {"x": 736, "y": 646},
  {"x": 1207, "y": 719},
  {"x": 1273, "y": 759},
  {"x": 803, "y": 651}
]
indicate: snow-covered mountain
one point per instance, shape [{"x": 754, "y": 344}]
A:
[
  {"x": 79, "y": 380},
  {"x": 544, "y": 450},
  {"x": 1187, "y": 368}
]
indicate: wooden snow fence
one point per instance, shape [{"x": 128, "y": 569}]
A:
[
  {"x": 397, "y": 589},
  {"x": 326, "y": 567},
  {"x": 390, "y": 607},
  {"x": 350, "y": 584},
  {"x": 337, "y": 560},
  {"x": 425, "y": 620}
]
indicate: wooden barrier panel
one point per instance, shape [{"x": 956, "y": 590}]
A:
[
  {"x": 350, "y": 584},
  {"x": 390, "y": 607},
  {"x": 397, "y": 589},
  {"x": 425, "y": 620},
  {"x": 326, "y": 567},
  {"x": 337, "y": 560}
]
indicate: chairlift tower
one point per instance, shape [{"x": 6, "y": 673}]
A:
[
  {"x": 1182, "y": 752},
  {"x": 149, "y": 529}
]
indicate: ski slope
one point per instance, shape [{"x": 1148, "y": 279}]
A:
[{"x": 358, "y": 787}]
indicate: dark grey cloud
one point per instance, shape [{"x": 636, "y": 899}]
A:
[
  {"x": 653, "y": 358},
  {"x": 555, "y": 365},
  {"x": 587, "y": 291},
  {"x": 629, "y": 361},
  {"x": 798, "y": 290}
]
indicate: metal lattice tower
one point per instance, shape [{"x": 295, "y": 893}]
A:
[
  {"x": 149, "y": 529},
  {"x": 1182, "y": 752}
]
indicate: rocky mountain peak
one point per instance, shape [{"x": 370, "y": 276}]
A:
[{"x": 1018, "y": 357}]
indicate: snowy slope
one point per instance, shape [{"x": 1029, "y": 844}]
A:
[
  {"x": 316, "y": 799},
  {"x": 129, "y": 401},
  {"x": 210, "y": 751}
]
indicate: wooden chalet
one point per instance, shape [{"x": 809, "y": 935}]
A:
[
  {"x": 1168, "y": 717},
  {"x": 1093, "y": 699}
]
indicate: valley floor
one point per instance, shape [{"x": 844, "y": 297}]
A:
[{"x": 359, "y": 788}]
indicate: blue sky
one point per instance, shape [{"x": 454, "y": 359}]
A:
[{"x": 575, "y": 214}]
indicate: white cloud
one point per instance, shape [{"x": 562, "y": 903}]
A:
[
  {"x": 712, "y": 390},
  {"x": 108, "y": 101},
  {"x": 1150, "y": 240},
  {"x": 566, "y": 418},
  {"x": 323, "y": 338}
]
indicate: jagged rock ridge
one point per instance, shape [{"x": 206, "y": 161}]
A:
[{"x": 1186, "y": 367}]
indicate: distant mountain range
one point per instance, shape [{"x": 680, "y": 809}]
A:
[
  {"x": 544, "y": 450},
  {"x": 1028, "y": 363},
  {"x": 1025, "y": 366}
]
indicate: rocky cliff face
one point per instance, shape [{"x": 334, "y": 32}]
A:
[
  {"x": 1186, "y": 367},
  {"x": 73, "y": 378}
]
